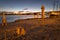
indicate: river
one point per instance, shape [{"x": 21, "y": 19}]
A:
[{"x": 12, "y": 18}]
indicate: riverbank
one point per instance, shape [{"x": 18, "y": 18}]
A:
[
  {"x": 35, "y": 30},
  {"x": 33, "y": 23}
]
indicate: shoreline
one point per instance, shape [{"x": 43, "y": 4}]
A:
[
  {"x": 35, "y": 22},
  {"x": 34, "y": 28}
]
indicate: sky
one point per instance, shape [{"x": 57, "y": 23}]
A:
[{"x": 29, "y": 5}]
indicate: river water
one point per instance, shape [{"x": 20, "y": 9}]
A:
[{"x": 12, "y": 18}]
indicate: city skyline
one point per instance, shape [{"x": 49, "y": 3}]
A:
[{"x": 29, "y": 5}]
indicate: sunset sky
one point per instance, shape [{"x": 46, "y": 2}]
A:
[{"x": 30, "y": 5}]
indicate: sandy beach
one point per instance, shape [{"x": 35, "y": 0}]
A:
[{"x": 35, "y": 30}]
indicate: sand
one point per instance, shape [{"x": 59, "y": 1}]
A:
[{"x": 35, "y": 30}]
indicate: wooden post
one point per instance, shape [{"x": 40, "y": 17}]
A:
[
  {"x": 5, "y": 36},
  {"x": 23, "y": 31},
  {"x": 42, "y": 9},
  {"x": 4, "y": 22},
  {"x": 18, "y": 31}
]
